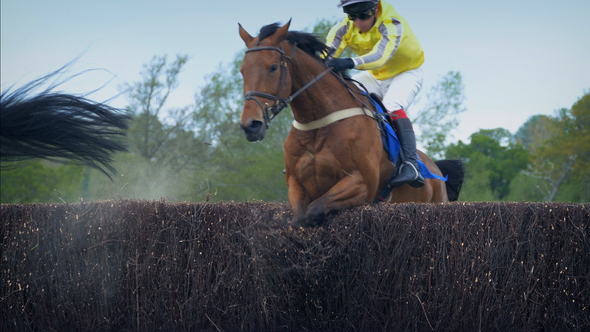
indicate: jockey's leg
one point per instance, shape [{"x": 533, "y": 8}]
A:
[
  {"x": 400, "y": 94},
  {"x": 372, "y": 84},
  {"x": 409, "y": 171},
  {"x": 401, "y": 89}
]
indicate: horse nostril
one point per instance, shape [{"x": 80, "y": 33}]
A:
[{"x": 254, "y": 126}]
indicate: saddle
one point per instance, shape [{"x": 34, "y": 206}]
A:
[{"x": 392, "y": 146}]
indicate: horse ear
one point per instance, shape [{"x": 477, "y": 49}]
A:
[
  {"x": 281, "y": 33},
  {"x": 245, "y": 35}
]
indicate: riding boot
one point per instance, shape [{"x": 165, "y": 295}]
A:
[{"x": 409, "y": 171}]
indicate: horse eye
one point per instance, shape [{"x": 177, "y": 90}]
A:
[{"x": 274, "y": 68}]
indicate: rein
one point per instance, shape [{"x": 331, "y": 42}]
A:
[{"x": 270, "y": 112}]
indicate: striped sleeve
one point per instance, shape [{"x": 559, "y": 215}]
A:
[
  {"x": 383, "y": 51},
  {"x": 335, "y": 39}
]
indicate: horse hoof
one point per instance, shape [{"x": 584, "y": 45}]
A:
[
  {"x": 298, "y": 222},
  {"x": 315, "y": 216}
]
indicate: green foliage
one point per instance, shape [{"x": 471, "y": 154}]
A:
[
  {"x": 140, "y": 179},
  {"x": 575, "y": 138},
  {"x": 538, "y": 129},
  {"x": 525, "y": 188},
  {"x": 219, "y": 103},
  {"x": 41, "y": 181},
  {"x": 237, "y": 169},
  {"x": 488, "y": 158},
  {"x": 476, "y": 186},
  {"x": 198, "y": 152},
  {"x": 561, "y": 147},
  {"x": 500, "y": 135},
  {"x": 441, "y": 113},
  {"x": 163, "y": 150},
  {"x": 574, "y": 189},
  {"x": 167, "y": 142}
]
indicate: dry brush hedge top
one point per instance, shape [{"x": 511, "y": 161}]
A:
[{"x": 157, "y": 265}]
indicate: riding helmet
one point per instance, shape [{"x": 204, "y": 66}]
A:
[{"x": 344, "y": 3}]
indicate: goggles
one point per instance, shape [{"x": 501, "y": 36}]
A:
[{"x": 362, "y": 15}]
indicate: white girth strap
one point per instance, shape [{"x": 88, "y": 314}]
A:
[{"x": 331, "y": 118}]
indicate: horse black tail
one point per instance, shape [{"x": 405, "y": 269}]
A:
[
  {"x": 456, "y": 172},
  {"x": 57, "y": 126}
]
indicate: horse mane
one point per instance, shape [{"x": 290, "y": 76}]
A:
[{"x": 307, "y": 42}]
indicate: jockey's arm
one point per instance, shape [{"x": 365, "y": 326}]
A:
[
  {"x": 383, "y": 51},
  {"x": 335, "y": 38}
]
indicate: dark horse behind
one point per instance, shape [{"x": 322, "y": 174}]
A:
[{"x": 59, "y": 127}]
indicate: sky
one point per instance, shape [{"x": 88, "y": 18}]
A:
[{"x": 517, "y": 58}]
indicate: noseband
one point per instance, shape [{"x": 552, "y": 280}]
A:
[{"x": 269, "y": 112}]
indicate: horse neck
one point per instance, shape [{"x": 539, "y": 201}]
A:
[{"x": 326, "y": 96}]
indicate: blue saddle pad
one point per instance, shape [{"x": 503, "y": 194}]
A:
[{"x": 392, "y": 146}]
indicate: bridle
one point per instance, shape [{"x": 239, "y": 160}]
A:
[{"x": 270, "y": 112}]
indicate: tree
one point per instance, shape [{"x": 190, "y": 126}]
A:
[
  {"x": 492, "y": 155},
  {"x": 40, "y": 181},
  {"x": 440, "y": 116},
  {"x": 500, "y": 135},
  {"x": 562, "y": 155},
  {"x": 154, "y": 135},
  {"x": 163, "y": 149},
  {"x": 536, "y": 131},
  {"x": 237, "y": 169},
  {"x": 525, "y": 188},
  {"x": 575, "y": 138}
]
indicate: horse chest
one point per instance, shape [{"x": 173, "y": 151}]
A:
[{"x": 318, "y": 172}]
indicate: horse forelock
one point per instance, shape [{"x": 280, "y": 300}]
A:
[
  {"x": 307, "y": 42},
  {"x": 267, "y": 31}
]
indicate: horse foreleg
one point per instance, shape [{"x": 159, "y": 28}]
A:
[
  {"x": 350, "y": 191},
  {"x": 299, "y": 200}
]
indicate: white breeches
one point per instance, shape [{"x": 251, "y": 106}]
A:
[{"x": 397, "y": 92}]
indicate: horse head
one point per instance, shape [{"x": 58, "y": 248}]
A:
[{"x": 267, "y": 80}]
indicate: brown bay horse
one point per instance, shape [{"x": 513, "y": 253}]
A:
[{"x": 341, "y": 163}]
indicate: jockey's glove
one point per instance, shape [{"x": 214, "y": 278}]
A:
[{"x": 341, "y": 64}]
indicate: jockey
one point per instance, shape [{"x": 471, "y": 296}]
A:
[{"x": 390, "y": 56}]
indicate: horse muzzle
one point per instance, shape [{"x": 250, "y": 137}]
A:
[{"x": 254, "y": 130}]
